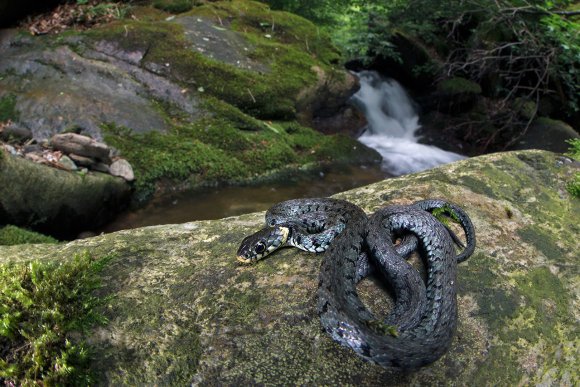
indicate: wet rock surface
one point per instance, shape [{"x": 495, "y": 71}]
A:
[{"x": 184, "y": 311}]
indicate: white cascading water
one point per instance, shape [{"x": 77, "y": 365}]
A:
[{"x": 392, "y": 126}]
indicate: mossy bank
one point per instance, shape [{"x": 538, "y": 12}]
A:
[
  {"x": 184, "y": 311},
  {"x": 223, "y": 93},
  {"x": 55, "y": 202}
]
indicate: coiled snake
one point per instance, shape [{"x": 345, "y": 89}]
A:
[{"x": 421, "y": 325}]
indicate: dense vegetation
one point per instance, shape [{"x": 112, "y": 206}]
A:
[
  {"x": 42, "y": 305},
  {"x": 524, "y": 53}
]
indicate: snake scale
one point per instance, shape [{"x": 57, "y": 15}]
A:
[{"x": 419, "y": 328}]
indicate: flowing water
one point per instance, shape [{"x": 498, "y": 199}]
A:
[
  {"x": 220, "y": 202},
  {"x": 392, "y": 126}
]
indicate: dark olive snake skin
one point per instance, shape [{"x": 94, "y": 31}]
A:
[{"x": 421, "y": 325}]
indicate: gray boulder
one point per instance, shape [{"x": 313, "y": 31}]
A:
[
  {"x": 184, "y": 311},
  {"x": 80, "y": 145}
]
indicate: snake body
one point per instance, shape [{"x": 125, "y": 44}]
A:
[{"x": 425, "y": 313}]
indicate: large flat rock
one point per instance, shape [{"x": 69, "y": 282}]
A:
[{"x": 184, "y": 311}]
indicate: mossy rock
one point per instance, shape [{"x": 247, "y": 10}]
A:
[
  {"x": 184, "y": 311},
  {"x": 214, "y": 88},
  {"x": 238, "y": 51},
  {"x": 549, "y": 134},
  {"x": 458, "y": 85},
  {"x": 214, "y": 150},
  {"x": 526, "y": 108},
  {"x": 56, "y": 202},
  {"x": 12, "y": 235},
  {"x": 455, "y": 95}
]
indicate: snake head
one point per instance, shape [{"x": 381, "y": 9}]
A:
[{"x": 262, "y": 243}]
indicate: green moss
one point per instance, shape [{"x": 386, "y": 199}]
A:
[
  {"x": 547, "y": 298},
  {"x": 496, "y": 303},
  {"x": 551, "y": 123},
  {"x": 243, "y": 305},
  {"x": 255, "y": 20},
  {"x": 213, "y": 150},
  {"x": 12, "y": 235},
  {"x": 542, "y": 240},
  {"x": 526, "y": 108},
  {"x": 520, "y": 317},
  {"x": 147, "y": 13},
  {"x": 458, "y": 85},
  {"x": 177, "y": 155},
  {"x": 293, "y": 48},
  {"x": 232, "y": 114},
  {"x": 8, "y": 108},
  {"x": 42, "y": 304}
]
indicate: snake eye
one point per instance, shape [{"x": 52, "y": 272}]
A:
[
  {"x": 273, "y": 222},
  {"x": 260, "y": 247}
]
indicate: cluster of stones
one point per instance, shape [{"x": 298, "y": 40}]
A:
[{"x": 67, "y": 151}]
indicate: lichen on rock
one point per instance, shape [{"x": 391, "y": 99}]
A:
[{"x": 184, "y": 311}]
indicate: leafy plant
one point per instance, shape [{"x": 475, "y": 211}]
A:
[{"x": 41, "y": 305}]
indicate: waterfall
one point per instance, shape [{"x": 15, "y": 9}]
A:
[{"x": 392, "y": 126}]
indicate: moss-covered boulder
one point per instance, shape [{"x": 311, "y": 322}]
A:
[
  {"x": 263, "y": 62},
  {"x": 56, "y": 202},
  {"x": 184, "y": 311},
  {"x": 546, "y": 133},
  {"x": 455, "y": 95},
  {"x": 214, "y": 94}
]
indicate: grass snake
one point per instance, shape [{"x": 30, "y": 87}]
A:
[{"x": 420, "y": 326}]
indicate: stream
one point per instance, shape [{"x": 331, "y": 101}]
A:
[{"x": 392, "y": 126}]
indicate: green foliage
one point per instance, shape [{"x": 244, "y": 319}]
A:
[
  {"x": 8, "y": 108},
  {"x": 530, "y": 48},
  {"x": 573, "y": 186},
  {"x": 107, "y": 10},
  {"x": 12, "y": 235},
  {"x": 574, "y": 150},
  {"x": 564, "y": 36},
  {"x": 41, "y": 306},
  {"x": 516, "y": 49}
]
